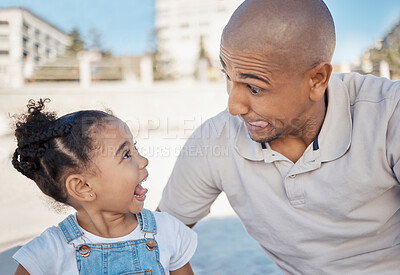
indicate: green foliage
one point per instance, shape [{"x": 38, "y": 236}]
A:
[
  {"x": 77, "y": 43},
  {"x": 390, "y": 50},
  {"x": 161, "y": 63},
  {"x": 93, "y": 41}
]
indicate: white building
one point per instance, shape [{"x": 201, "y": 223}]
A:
[
  {"x": 26, "y": 40},
  {"x": 182, "y": 24}
]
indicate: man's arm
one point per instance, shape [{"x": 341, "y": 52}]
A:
[
  {"x": 21, "y": 271},
  {"x": 393, "y": 140}
]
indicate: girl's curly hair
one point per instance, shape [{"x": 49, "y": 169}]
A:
[{"x": 51, "y": 148}]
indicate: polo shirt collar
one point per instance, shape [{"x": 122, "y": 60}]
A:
[
  {"x": 334, "y": 138},
  {"x": 246, "y": 147},
  {"x": 335, "y": 135}
]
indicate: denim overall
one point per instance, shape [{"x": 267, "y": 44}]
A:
[{"x": 127, "y": 257}]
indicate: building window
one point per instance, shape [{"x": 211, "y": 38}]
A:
[
  {"x": 184, "y": 25},
  {"x": 3, "y": 52},
  {"x": 25, "y": 53},
  {"x": 47, "y": 53},
  {"x": 3, "y": 38},
  {"x": 37, "y": 34},
  {"x": 47, "y": 39},
  {"x": 25, "y": 27},
  {"x": 36, "y": 47},
  {"x": 58, "y": 46},
  {"x": 3, "y": 22},
  {"x": 25, "y": 41},
  {"x": 37, "y": 59}
]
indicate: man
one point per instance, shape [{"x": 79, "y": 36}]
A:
[{"x": 312, "y": 165}]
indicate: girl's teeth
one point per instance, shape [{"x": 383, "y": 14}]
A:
[{"x": 140, "y": 192}]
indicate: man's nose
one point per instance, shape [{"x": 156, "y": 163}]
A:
[{"x": 237, "y": 100}]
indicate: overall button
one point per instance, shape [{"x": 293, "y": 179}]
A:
[
  {"x": 292, "y": 176},
  {"x": 84, "y": 250},
  {"x": 150, "y": 244}
]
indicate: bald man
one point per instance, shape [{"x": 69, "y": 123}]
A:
[{"x": 309, "y": 160}]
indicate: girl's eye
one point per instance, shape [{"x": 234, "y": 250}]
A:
[
  {"x": 127, "y": 155},
  {"x": 134, "y": 145},
  {"x": 253, "y": 90}
]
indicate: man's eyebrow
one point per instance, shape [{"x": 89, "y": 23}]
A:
[
  {"x": 121, "y": 147},
  {"x": 243, "y": 76},
  {"x": 222, "y": 62}
]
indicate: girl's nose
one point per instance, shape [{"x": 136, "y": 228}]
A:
[{"x": 143, "y": 162}]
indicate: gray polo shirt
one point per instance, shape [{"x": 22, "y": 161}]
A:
[{"x": 334, "y": 211}]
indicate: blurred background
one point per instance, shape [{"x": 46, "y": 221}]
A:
[{"x": 155, "y": 64}]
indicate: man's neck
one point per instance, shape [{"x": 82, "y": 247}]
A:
[{"x": 293, "y": 146}]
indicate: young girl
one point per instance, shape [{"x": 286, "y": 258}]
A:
[{"x": 88, "y": 160}]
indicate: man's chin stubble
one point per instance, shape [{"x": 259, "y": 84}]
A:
[{"x": 265, "y": 140}]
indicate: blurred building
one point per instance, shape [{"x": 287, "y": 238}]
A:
[
  {"x": 26, "y": 41},
  {"x": 188, "y": 34}
]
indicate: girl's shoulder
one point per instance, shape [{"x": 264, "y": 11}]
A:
[
  {"x": 168, "y": 225},
  {"x": 164, "y": 219},
  {"x": 50, "y": 239},
  {"x": 40, "y": 255}
]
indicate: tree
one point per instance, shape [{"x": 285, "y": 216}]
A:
[
  {"x": 390, "y": 50},
  {"x": 77, "y": 43},
  {"x": 161, "y": 63},
  {"x": 95, "y": 42}
]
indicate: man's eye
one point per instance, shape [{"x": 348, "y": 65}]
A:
[
  {"x": 253, "y": 90},
  {"x": 127, "y": 155},
  {"x": 226, "y": 75}
]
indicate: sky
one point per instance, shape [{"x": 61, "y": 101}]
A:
[{"x": 126, "y": 26}]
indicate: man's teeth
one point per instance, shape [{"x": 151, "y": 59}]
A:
[
  {"x": 259, "y": 123},
  {"x": 137, "y": 196}
]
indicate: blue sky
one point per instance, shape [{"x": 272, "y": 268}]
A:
[{"x": 126, "y": 25}]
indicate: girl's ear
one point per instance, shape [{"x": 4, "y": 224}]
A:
[{"x": 79, "y": 189}]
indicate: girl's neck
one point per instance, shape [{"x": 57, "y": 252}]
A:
[{"x": 107, "y": 225}]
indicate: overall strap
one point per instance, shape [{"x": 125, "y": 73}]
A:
[
  {"x": 70, "y": 229},
  {"x": 147, "y": 221}
]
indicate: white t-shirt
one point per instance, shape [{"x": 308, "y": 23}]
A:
[{"x": 51, "y": 254}]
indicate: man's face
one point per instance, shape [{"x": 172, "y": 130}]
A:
[{"x": 272, "y": 100}]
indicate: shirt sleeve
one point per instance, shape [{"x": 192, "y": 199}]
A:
[
  {"x": 393, "y": 139},
  {"x": 39, "y": 255},
  {"x": 183, "y": 241},
  {"x": 191, "y": 190}
]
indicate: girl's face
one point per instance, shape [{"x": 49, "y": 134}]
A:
[{"x": 119, "y": 170}]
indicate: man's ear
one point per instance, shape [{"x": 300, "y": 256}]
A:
[
  {"x": 319, "y": 78},
  {"x": 79, "y": 189}
]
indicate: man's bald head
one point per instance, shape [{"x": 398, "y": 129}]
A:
[{"x": 301, "y": 34}]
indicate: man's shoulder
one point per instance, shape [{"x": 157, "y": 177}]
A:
[
  {"x": 221, "y": 126},
  {"x": 368, "y": 87}
]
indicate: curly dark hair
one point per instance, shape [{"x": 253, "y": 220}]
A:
[{"x": 50, "y": 148}]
